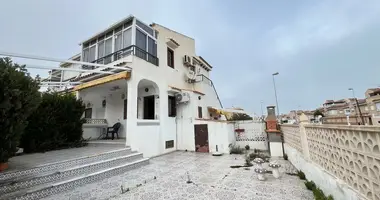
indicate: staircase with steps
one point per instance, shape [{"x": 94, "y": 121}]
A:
[{"x": 48, "y": 179}]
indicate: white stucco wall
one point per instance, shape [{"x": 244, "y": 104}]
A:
[
  {"x": 185, "y": 126},
  {"x": 150, "y": 139},
  {"x": 254, "y": 134},
  {"x": 92, "y": 133},
  {"x": 219, "y": 134},
  {"x": 327, "y": 182},
  {"x": 114, "y": 109}
]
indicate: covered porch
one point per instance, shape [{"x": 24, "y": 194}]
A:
[
  {"x": 106, "y": 105},
  {"x": 135, "y": 104}
]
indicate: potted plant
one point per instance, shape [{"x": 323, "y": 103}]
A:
[{"x": 3, "y": 163}]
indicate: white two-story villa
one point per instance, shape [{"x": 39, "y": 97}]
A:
[{"x": 156, "y": 87}]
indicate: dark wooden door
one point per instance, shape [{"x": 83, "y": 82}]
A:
[
  {"x": 201, "y": 138},
  {"x": 149, "y": 107}
]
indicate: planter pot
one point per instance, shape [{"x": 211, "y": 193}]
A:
[{"x": 3, "y": 166}]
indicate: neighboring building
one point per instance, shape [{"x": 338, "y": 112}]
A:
[
  {"x": 293, "y": 116},
  {"x": 336, "y": 112},
  {"x": 373, "y": 104},
  {"x": 160, "y": 92}
]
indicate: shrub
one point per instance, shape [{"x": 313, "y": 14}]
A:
[
  {"x": 235, "y": 149},
  {"x": 330, "y": 197},
  {"x": 239, "y": 117},
  {"x": 56, "y": 124},
  {"x": 248, "y": 161},
  {"x": 310, "y": 185},
  {"x": 301, "y": 175},
  {"x": 19, "y": 97},
  {"x": 259, "y": 150},
  {"x": 247, "y": 147},
  {"x": 285, "y": 156},
  {"x": 318, "y": 194},
  {"x": 252, "y": 156}
]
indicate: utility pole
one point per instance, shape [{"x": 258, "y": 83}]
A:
[{"x": 275, "y": 93}]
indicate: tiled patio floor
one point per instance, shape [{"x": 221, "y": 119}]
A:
[
  {"x": 31, "y": 160},
  {"x": 212, "y": 178}
]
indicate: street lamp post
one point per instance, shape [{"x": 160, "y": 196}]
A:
[
  {"x": 275, "y": 93},
  {"x": 357, "y": 105}
]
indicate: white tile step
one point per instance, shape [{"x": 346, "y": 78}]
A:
[
  {"x": 64, "y": 164},
  {"x": 29, "y": 181},
  {"x": 47, "y": 189}
]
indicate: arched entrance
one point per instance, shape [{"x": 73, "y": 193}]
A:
[{"x": 147, "y": 100}]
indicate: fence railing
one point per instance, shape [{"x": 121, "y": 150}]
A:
[
  {"x": 131, "y": 50},
  {"x": 350, "y": 153}
]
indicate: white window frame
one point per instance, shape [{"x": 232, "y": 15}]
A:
[
  {"x": 114, "y": 39},
  {"x": 122, "y": 36},
  {"x": 82, "y": 56},
  {"x": 96, "y": 50},
  {"x": 112, "y": 45},
  {"x": 147, "y": 40},
  {"x": 154, "y": 31},
  {"x": 113, "y": 42}
]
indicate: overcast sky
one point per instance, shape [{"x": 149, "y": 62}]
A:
[{"x": 320, "y": 48}]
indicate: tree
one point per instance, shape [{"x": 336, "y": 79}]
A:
[
  {"x": 240, "y": 117},
  {"x": 57, "y": 123},
  {"x": 317, "y": 113},
  {"x": 19, "y": 97}
]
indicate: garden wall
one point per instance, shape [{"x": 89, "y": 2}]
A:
[
  {"x": 343, "y": 160},
  {"x": 252, "y": 133}
]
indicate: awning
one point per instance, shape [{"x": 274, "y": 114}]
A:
[
  {"x": 114, "y": 77},
  {"x": 226, "y": 112}
]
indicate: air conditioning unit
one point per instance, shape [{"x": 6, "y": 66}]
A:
[
  {"x": 187, "y": 60},
  {"x": 182, "y": 97}
]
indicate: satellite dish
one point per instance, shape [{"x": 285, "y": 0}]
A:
[{"x": 190, "y": 76}]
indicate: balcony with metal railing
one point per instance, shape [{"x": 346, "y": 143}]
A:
[{"x": 122, "y": 53}]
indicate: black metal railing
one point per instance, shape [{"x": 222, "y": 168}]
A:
[
  {"x": 145, "y": 55},
  {"x": 117, "y": 55},
  {"x": 209, "y": 81}
]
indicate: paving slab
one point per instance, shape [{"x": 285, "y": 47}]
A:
[{"x": 167, "y": 176}]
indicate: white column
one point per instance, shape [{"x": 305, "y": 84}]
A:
[
  {"x": 132, "y": 114},
  {"x": 164, "y": 114},
  {"x": 305, "y": 147}
]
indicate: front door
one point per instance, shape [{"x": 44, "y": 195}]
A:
[
  {"x": 149, "y": 107},
  {"x": 201, "y": 138}
]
